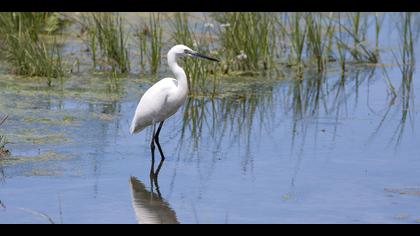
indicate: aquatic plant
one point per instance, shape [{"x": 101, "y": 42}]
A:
[
  {"x": 106, "y": 33},
  {"x": 155, "y": 42},
  {"x": 149, "y": 38},
  {"x": 141, "y": 33},
  {"x": 26, "y": 49},
  {"x": 357, "y": 30},
  {"x": 293, "y": 29},
  {"x": 247, "y": 33},
  {"x": 319, "y": 38}
]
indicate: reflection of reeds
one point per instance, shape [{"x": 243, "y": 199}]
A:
[
  {"x": 406, "y": 64},
  {"x": 235, "y": 116},
  {"x": 314, "y": 97}
]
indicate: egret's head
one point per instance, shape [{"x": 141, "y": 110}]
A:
[{"x": 182, "y": 50}]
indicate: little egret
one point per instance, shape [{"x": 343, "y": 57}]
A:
[{"x": 164, "y": 98}]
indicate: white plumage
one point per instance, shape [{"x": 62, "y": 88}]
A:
[
  {"x": 164, "y": 98},
  {"x": 159, "y": 102}
]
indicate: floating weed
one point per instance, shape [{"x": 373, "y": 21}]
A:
[
  {"x": 33, "y": 136},
  {"x": 66, "y": 120},
  {"x": 103, "y": 116},
  {"x": 42, "y": 157},
  {"x": 3, "y": 141}
]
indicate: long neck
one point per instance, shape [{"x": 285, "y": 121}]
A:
[{"x": 178, "y": 72}]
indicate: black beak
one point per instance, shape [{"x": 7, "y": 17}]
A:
[{"x": 196, "y": 54}]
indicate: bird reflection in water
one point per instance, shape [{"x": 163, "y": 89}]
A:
[{"x": 149, "y": 206}]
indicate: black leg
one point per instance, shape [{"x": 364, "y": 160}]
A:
[
  {"x": 154, "y": 174},
  {"x": 159, "y": 148},
  {"x": 152, "y": 149},
  {"x": 157, "y": 141}
]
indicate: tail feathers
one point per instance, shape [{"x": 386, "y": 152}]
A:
[{"x": 133, "y": 128}]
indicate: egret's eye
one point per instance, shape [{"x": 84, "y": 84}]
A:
[{"x": 186, "y": 51}]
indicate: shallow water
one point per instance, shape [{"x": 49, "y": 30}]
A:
[
  {"x": 257, "y": 162},
  {"x": 323, "y": 150}
]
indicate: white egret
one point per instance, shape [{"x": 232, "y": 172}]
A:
[{"x": 164, "y": 98}]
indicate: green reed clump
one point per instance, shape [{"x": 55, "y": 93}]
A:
[
  {"x": 155, "y": 42},
  {"x": 341, "y": 49},
  {"x": 149, "y": 38},
  {"x": 141, "y": 34},
  {"x": 35, "y": 23},
  {"x": 106, "y": 36},
  {"x": 294, "y": 29},
  {"x": 182, "y": 31},
  {"x": 357, "y": 31},
  {"x": 247, "y": 39},
  {"x": 319, "y": 38},
  {"x": 378, "y": 25},
  {"x": 27, "y": 49}
]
